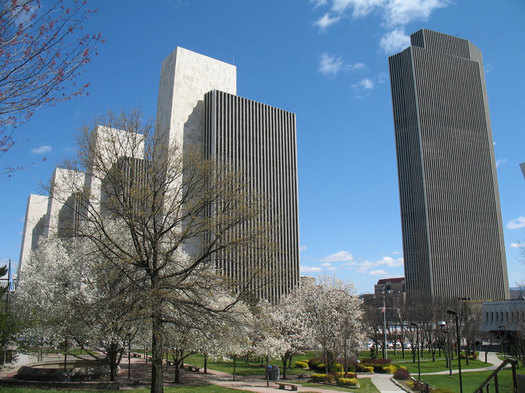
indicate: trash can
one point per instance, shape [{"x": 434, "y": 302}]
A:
[{"x": 273, "y": 373}]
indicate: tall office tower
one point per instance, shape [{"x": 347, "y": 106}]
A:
[
  {"x": 198, "y": 107},
  {"x": 260, "y": 141},
  {"x": 450, "y": 211}
]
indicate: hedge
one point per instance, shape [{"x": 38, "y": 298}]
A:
[{"x": 348, "y": 382}]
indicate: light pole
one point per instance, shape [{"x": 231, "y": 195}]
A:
[
  {"x": 458, "y": 345},
  {"x": 417, "y": 349},
  {"x": 385, "y": 352},
  {"x": 504, "y": 328},
  {"x": 443, "y": 325}
]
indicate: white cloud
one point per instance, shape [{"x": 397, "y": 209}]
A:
[
  {"x": 394, "y": 41},
  {"x": 500, "y": 161},
  {"x": 326, "y": 20},
  {"x": 366, "y": 84},
  {"x": 41, "y": 150},
  {"x": 391, "y": 262},
  {"x": 318, "y": 3},
  {"x": 310, "y": 269},
  {"x": 396, "y": 14},
  {"x": 402, "y": 12},
  {"x": 302, "y": 248},
  {"x": 355, "y": 67},
  {"x": 330, "y": 65},
  {"x": 517, "y": 223},
  {"x": 378, "y": 273},
  {"x": 341, "y": 256},
  {"x": 517, "y": 245},
  {"x": 363, "y": 87}
]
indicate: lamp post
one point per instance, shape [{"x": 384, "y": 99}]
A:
[
  {"x": 443, "y": 325},
  {"x": 385, "y": 351},
  {"x": 458, "y": 345},
  {"x": 504, "y": 328},
  {"x": 417, "y": 349}
]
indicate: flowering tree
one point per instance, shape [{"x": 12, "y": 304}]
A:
[
  {"x": 42, "y": 49},
  {"x": 291, "y": 322},
  {"x": 166, "y": 217},
  {"x": 70, "y": 291},
  {"x": 333, "y": 315}
]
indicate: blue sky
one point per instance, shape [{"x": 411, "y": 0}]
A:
[{"x": 326, "y": 61}]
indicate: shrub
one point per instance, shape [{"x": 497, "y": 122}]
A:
[
  {"x": 349, "y": 375},
  {"x": 351, "y": 368},
  {"x": 377, "y": 361},
  {"x": 390, "y": 369},
  {"x": 301, "y": 364},
  {"x": 348, "y": 382},
  {"x": 402, "y": 374},
  {"x": 365, "y": 369},
  {"x": 321, "y": 378},
  {"x": 314, "y": 364},
  {"x": 337, "y": 367}
]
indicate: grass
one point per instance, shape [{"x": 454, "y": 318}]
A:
[
  {"x": 182, "y": 389},
  {"x": 471, "y": 380},
  {"x": 441, "y": 365},
  {"x": 366, "y": 386},
  {"x": 426, "y": 363},
  {"x": 251, "y": 368}
]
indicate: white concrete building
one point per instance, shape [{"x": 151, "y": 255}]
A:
[{"x": 198, "y": 108}]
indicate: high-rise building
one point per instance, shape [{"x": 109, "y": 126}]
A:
[
  {"x": 259, "y": 141},
  {"x": 450, "y": 210},
  {"x": 198, "y": 109}
]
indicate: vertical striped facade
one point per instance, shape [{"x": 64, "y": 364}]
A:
[
  {"x": 450, "y": 211},
  {"x": 260, "y": 142}
]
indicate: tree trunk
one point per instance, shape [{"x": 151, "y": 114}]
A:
[
  {"x": 157, "y": 377},
  {"x": 205, "y": 363},
  {"x": 284, "y": 358}
]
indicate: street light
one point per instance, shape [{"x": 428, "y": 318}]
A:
[
  {"x": 417, "y": 348},
  {"x": 504, "y": 328},
  {"x": 443, "y": 325},
  {"x": 458, "y": 345}
]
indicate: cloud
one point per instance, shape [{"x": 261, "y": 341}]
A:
[
  {"x": 330, "y": 65},
  {"x": 517, "y": 245},
  {"x": 363, "y": 87},
  {"x": 302, "y": 248},
  {"x": 395, "y": 14},
  {"x": 516, "y": 223},
  {"x": 500, "y": 161},
  {"x": 41, "y": 150},
  {"x": 402, "y": 12},
  {"x": 378, "y": 273},
  {"x": 394, "y": 41},
  {"x": 326, "y": 20},
  {"x": 310, "y": 269},
  {"x": 391, "y": 262},
  {"x": 341, "y": 256}
]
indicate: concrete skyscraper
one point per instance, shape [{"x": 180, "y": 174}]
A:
[
  {"x": 450, "y": 210},
  {"x": 198, "y": 109}
]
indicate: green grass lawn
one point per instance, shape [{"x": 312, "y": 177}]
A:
[
  {"x": 471, "y": 380},
  {"x": 441, "y": 365},
  {"x": 182, "y": 389},
  {"x": 366, "y": 386},
  {"x": 250, "y": 368}
]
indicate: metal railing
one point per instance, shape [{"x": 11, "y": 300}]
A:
[{"x": 485, "y": 386}]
